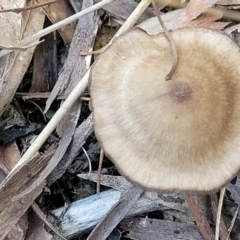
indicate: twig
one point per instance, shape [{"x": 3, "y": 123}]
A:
[
  {"x": 170, "y": 40},
  {"x": 18, "y": 10},
  {"x": 89, "y": 161},
  {"x": 93, "y": 52},
  {"x": 99, "y": 170},
  {"x": 223, "y": 231},
  {"x": 222, "y": 193},
  {"x": 35, "y": 104}
]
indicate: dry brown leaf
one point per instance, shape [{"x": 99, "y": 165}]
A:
[
  {"x": 23, "y": 58},
  {"x": 11, "y": 31},
  {"x": 207, "y": 21},
  {"x": 116, "y": 214},
  {"x": 57, "y": 12},
  {"x": 192, "y": 11},
  {"x": 9, "y": 155},
  {"x": 36, "y": 229},
  {"x": 152, "y": 229},
  {"x": 152, "y": 26},
  {"x": 11, "y": 24}
]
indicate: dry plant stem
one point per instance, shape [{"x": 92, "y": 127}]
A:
[
  {"x": 201, "y": 221},
  {"x": 80, "y": 87},
  {"x": 170, "y": 40},
  {"x": 57, "y": 25},
  {"x": 223, "y": 231},
  {"x": 18, "y": 10},
  {"x": 89, "y": 161},
  {"x": 93, "y": 52},
  {"x": 35, "y": 104},
  {"x": 222, "y": 193},
  {"x": 99, "y": 170},
  {"x": 232, "y": 224},
  {"x": 40, "y": 214}
]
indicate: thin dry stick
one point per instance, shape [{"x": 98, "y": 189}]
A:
[
  {"x": 56, "y": 26},
  {"x": 78, "y": 90},
  {"x": 30, "y": 7},
  {"x": 223, "y": 231},
  {"x": 99, "y": 170},
  {"x": 35, "y": 104},
  {"x": 232, "y": 223},
  {"x": 170, "y": 40},
  {"x": 40, "y": 214},
  {"x": 89, "y": 161},
  {"x": 222, "y": 193},
  {"x": 93, "y": 52}
]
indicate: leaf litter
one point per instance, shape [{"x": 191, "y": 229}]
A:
[{"x": 29, "y": 180}]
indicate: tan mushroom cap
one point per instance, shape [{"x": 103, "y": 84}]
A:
[{"x": 177, "y": 135}]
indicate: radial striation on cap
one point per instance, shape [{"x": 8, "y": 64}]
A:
[{"x": 177, "y": 135}]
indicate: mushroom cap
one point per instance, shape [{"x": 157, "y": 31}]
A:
[{"x": 177, "y": 135}]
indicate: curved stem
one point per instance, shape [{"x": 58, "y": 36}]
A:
[{"x": 171, "y": 41}]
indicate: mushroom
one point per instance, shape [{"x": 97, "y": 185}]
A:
[{"x": 180, "y": 135}]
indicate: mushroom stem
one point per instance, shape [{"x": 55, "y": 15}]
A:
[{"x": 171, "y": 42}]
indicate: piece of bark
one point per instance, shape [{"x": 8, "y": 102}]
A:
[
  {"x": 190, "y": 12},
  {"x": 76, "y": 65},
  {"x": 9, "y": 156},
  {"x": 199, "y": 216},
  {"x": 12, "y": 133},
  {"x": 171, "y": 201},
  {"x": 18, "y": 191},
  {"x": 122, "y": 9},
  {"x": 116, "y": 214},
  {"x": 74, "y": 68},
  {"x": 57, "y": 12},
  {"x": 84, "y": 214},
  {"x": 152, "y": 229},
  {"x": 45, "y": 64},
  {"x": 80, "y": 136},
  {"x": 152, "y": 26}
]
